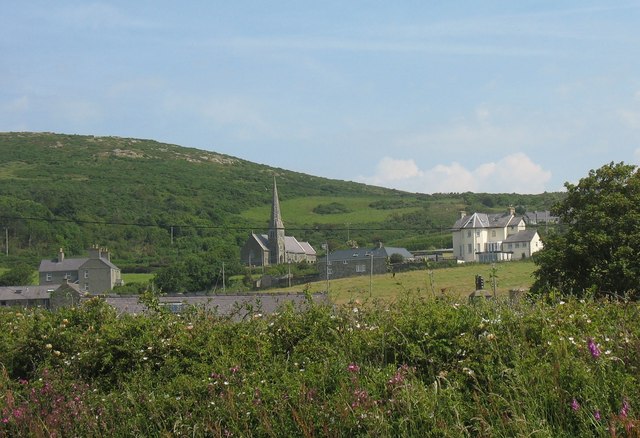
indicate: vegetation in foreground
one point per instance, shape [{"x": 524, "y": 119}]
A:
[{"x": 415, "y": 367}]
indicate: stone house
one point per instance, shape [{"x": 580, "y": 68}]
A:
[
  {"x": 482, "y": 237},
  {"x": 48, "y": 297},
  {"x": 359, "y": 261},
  {"x": 94, "y": 274}
]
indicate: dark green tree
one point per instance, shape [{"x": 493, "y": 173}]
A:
[
  {"x": 597, "y": 251},
  {"x": 20, "y": 275}
]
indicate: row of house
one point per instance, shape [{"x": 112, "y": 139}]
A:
[{"x": 477, "y": 237}]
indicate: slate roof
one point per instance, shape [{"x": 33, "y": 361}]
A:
[
  {"x": 291, "y": 244},
  {"x": 70, "y": 264},
  {"x": 63, "y": 266},
  {"x": 522, "y": 236},
  {"x": 238, "y": 306},
  {"x": 484, "y": 220},
  {"x": 13, "y": 293},
  {"x": 365, "y": 253}
]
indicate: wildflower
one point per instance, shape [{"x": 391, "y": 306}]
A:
[
  {"x": 353, "y": 368},
  {"x": 593, "y": 348},
  {"x": 597, "y": 415},
  {"x": 234, "y": 369},
  {"x": 624, "y": 410},
  {"x": 575, "y": 406},
  {"x": 48, "y": 346}
]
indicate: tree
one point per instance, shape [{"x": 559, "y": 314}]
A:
[
  {"x": 598, "y": 249},
  {"x": 18, "y": 276}
]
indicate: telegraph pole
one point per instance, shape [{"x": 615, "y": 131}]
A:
[{"x": 6, "y": 241}]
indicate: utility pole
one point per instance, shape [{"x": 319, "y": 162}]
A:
[
  {"x": 371, "y": 276},
  {"x": 326, "y": 248},
  {"x": 224, "y": 288},
  {"x": 6, "y": 241}
]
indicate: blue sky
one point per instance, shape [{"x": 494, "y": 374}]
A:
[{"x": 491, "y": 96}]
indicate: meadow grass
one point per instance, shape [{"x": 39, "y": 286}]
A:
[
  {"x": 456, "y": 282},
  {"x": 413, "y": 367},
  {"x": 137, "y": 277}
]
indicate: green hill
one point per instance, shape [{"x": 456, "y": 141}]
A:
[{"x": 151, "y": 202}]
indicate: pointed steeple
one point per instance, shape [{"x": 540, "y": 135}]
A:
[
  {"x": 276, "y": 216},
  {"x": 276, "y": 230}
]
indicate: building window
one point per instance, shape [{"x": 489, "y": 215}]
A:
[
  {"x": 469, "y": 248},
  {"x": 86, "y": 286},
  {"x": 49, "y": 276},
  {"x": 344, "y": 262},
  {"x": 361, "y": 268},
  {"x": 86, "y": 274},
  {"x": 329, "y": 263},
  {"x": 493, "y": 233},
  {"x": 469, "y": 233},
  {"x": 524, "y": 244}
]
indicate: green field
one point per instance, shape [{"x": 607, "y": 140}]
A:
[
  {"x": 137, "y": 277},
  {"x": 455, "y": 282},
  {"x": 300, "y": 210}
]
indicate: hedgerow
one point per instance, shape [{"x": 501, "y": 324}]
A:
[{"x": 414, "y": 367}]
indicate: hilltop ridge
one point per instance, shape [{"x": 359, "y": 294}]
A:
[{"x": 151, "y": 202}]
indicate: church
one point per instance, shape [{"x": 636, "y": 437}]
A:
[{"x": 275, "y": 248}]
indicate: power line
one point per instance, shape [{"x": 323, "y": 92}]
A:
[{"x": 326, "y": 227}]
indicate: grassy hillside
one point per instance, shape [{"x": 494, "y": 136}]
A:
[{"x": 152, "y": 203}]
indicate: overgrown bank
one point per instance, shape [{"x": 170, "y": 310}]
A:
[{"x": 413, "y": 368}]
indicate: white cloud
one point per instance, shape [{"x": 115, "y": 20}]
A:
[
  {"x": 513, "y": 173},
  {"x": 630, "y": 118}
]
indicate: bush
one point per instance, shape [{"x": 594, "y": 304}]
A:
[{"x": 550, "y": 368}]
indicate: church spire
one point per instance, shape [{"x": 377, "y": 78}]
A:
[
  {"x": 276, "y": 230},
  {"x": 276, "y": 216}
]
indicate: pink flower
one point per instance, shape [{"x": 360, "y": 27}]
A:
[
  {"x": 353, "y": 368},
  {"x": 624, "y": 411},
  {"x": 575, "y": 406},
  {"x": 593, "y": 348},
  {"x": 597, "y": 415}
]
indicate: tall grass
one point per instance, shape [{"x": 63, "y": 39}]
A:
[{"x": 415, "y": 367}]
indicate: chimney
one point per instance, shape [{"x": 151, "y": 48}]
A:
[
  {"x": 512, "y": 210},
  {"x": 104, "y": 254},
  {"x": 60, "y": 256},
  {"x": 462, "y": 214},
  {"x": 94, "y": 252}
]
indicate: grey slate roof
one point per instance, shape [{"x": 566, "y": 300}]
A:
[
  {"x": 70, "y": 264},
  {"x": 65, "y": 265},
  {"x": 12, "y": 293},
  {"x": 365, "y": 253},
  {"x": 291, "y": 244},
  {"x": 484, "y": 220},
  {"x": 522, "y": 236},
  {"x": 238, "y": 306}
]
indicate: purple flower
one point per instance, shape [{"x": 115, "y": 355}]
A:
[
  {"x": 597, "y": 415},
  {"x": 575, "y": 406},
  {"x": 593, "y": 348},
  {"x": 353, "y": 368},
  {"x": 624, "y": 411}
]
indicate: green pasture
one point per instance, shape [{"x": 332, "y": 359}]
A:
[
  {"x": 137, "y": 277},
  {"x": 300, "y": 210},
  {"x": 458, "y": 281}
]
